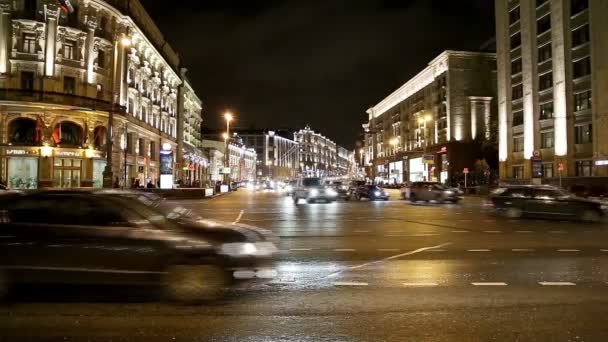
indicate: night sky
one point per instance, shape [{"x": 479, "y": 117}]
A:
[{"x": 323, "y": 63}]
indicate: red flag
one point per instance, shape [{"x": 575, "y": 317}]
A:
[
  {"x": 57, "y": 134},
  {"x": 38, "y": 135}
]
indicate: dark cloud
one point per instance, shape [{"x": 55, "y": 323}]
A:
[{"x": 288, "y": 63}]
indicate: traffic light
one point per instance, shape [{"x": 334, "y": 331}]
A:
[{"x": 66, "y": 6}]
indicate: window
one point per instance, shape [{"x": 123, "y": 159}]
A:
[
  {"x": 514, "y": 15},
  {"x": 29, "y": 42},
  {"x": 518, "y": 173},
  {"x": 27, "y": 80},
  {"x": 546, "y": 111},
  {"x": 583, "y": 168},
  {"x": 141, "y": 151},
  {"x": 30, "y": 8},
  {"x": 543, "y": 24},
  {"x": 583, "y": 134},
  {"x": 518, "y": 118},
  {"x": 101, "y": 58},
  {"x": 580, "y": 36},
  {"x": 544, "y": 53},
  {"x": 582, "y": 67},
  {"x": 578, "y": 6},
  {"x": 545, "y": 81},
  {"x": 516, "y": 66},
  {"x": 515, "y": 40},
  {"x": 546, "y": 139},
  {"x": 517, "y": 92},
  {"x": 582, "y": 101},
  {"x": 69, "y": 85},
  {"x": 548, "y": 170},
  {"x": 131, "y": 106},
  {"x": 69, "y": 49},
  {"x": 518, "y": 144}
]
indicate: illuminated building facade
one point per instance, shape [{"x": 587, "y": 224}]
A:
[
  {"x": 552, "y": 81},
  {"x": 436, "y": 124},
  {"x": 320, "y": 156},
  {"x": 61, "y": 75}
]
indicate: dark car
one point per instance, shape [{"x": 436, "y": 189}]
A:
[
  {"x": 341, "y": 189},
  {"x": 372, "y": 192},
  {"x": 430, "y": 191},
  {"x": 125, "y": 238},
  {"x": 544, "y": 201},
  {"x": 312, "y": 190}
]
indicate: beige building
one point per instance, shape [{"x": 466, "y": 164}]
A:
[
  {"x": 61, "y": 75},
  {"x": 436, "y": 124},
  {"x": 241, "y": 161},
  {"x": 552, "y": 82},
  {"x": 320, "y": 156}
]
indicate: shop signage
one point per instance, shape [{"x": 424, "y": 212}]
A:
[
  {"x": 20, "y": 152},
  {"x": 429, "y": 159},
  {"x": 141, "y": 161},
  {"x": 71, "y": 154},
  {"x": 597, "y": 163},
  {"x": 225, "y": 171},
  {"x": 152, "y": 163}
]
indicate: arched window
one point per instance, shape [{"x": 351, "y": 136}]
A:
[
  {"x": 22, "y": 131},
  {"x": 67, "y": 133},
  {"x": 99, "y": 137}
]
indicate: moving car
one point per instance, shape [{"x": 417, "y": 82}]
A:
[
  {"x": 372, "y": 192},
  {"x": 313, "y": 190},
  {"x": 341, "y": 189},
  {"x": 430, "y": 191},
  {"x": 544, "y": 201},
  {"x": 125, "y": 238}
]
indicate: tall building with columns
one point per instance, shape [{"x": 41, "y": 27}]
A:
[
  {"x": 62, "y": 75},
  {"x": 437, "y": 124},
  {"x": 552, "y": 86}
]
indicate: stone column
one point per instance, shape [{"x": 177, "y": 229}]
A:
[
  {"x": 473, "y": 104},
  {"x": 530, "y": 80},
  {"x": 504, "y": 83},
  {"x": 179, "y": 125},
  {"x": 52, "y": 12},
  {"x": 5, "y": 37},
  {"x": 90, "y": 50}
]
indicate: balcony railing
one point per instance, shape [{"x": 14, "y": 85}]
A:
[{"x": 21, "y": 95}]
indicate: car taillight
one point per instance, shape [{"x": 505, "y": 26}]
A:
[{"x": 488, "y": 204}]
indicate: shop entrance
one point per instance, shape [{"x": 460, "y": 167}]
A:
[{"x": 67, "y": 173}]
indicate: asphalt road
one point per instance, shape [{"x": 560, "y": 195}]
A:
[{"x": 369, "y": 271}]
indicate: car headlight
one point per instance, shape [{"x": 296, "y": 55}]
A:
[
  {"x": 604, "y": 207},
  {"x": 331, "y": 192},
  {"x": 449, "y": 192},
  {"x": 377, "y": 193},
  {"x": 314, "y": 192},
  {"x": 289, "y": 188},
  {"x": 241, "y": 249}
]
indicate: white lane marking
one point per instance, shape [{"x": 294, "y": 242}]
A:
[
  {"x": 349, "y": 283},
  {"x": 460, "y": 231},
  {"x": 492, "y": 231},
  {"x": 568, "y": 250},
  {"x": 410, "y": 235},
  {"x": 603, "y": 250},
  {"x": 436, "y": 250},
  {"x": 300, "y": 249},
  {"x": 420, "y": 284},
  {"x": 522, "y": 250},
  {"x": 489, "y": 284},
  {"x": 361, "y": 231},
  {"x": 479, "y": 250},
  {"x": 344, "y": 250},
  {"x": 419, "y": 250},
  {"x": 388, "y": 250},
  {"x": 556, "y": 283},
  {"x": 523, "y": 231},
  {"x": 558, "y": 232},
  {"x": 238, "y": 218}
]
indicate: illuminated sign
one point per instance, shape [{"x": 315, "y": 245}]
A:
[
  {"x": 20, "y": 152},
  {"x": 68, "y": 154},
  {"x": 601, "y": 162}
]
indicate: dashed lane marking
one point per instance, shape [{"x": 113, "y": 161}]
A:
[
  {"x": 523, "y": 231},
  {"x": 479, "y": 250},
  {"x": 556, "y": 283},
  {"x": 492, "y": 231},
  {"x": 300, "y": 249},
  {"x": 349, "y": 283},
  {"x": 420, "y": 284},
  {"x": 344, "y": 250},
  {"x": 460, "y": 231},
  {"x": 238, "y": 218},
  {"x": 489, "y": 284},
  {"x": 522, "y": 250},
  {"x": 603, "y": 250},
  {"x": 568, "y": 250}
]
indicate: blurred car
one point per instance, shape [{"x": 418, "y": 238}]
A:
[
  {"x": 544, "y": 201},
  {"x": 353, "y": 186},
  {"x": 125, "y": 238},
  {"x": 313, "y": 190},
  {"x": 341, "y": 189},
  {"x": 431, "y": 191},
  {"x": 371, "y": 192},
  {"x": 289, "y": 187}
]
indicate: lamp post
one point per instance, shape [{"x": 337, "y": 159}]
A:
[
  {"x": 108, "y": 176},
  {"x": 228, "y": 117}
]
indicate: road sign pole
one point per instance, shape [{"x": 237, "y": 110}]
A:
[{"x": 465, "y": 180}]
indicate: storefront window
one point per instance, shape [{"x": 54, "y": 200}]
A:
[
  {"x": 23, "y": 173},
  {"x": 66, "y": 173},
  {"x": 98, "y": 167}
]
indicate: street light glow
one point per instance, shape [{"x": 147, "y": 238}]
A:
[
  {"x": 225, "y": 136},
  {"x": 228, "y": 116},
  {"x": 125, "y": 41}
]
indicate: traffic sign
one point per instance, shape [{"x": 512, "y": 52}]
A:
[{"x": 466, "y": 170}]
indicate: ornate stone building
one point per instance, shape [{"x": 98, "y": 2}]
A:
[
  {"x": 63, "y": 74},
  {"x": 320, "y": 156}
]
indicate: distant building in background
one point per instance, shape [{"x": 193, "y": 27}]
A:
[
  {"x": 437, "y": 124},
  {"x": 320, "y": 156},
  {"x": 277, "y": 154},
  {"x": 552, "y": 90},
  {"x": 241, "y": 161}
]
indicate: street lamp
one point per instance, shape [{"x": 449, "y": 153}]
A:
[{"x": 108, "y": 176}]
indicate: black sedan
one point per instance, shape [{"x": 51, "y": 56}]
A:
[
  {"x": 544, "y": 201},
  {"x": 371, "y": 192},
  {"x": 125, "y": 238}
]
